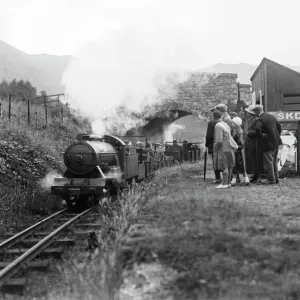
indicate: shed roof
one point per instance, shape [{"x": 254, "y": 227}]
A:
[{"x": 273, "y": 62}]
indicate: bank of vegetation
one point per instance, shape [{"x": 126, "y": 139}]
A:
[{"x": 29, "y": 151}]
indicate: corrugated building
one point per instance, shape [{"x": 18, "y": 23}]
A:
[{"x": 277, "y": 88}]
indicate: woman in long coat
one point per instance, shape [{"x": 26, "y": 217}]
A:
[
  {"x": 253, "y": 149},
  {"x": 223, "y": 150}
]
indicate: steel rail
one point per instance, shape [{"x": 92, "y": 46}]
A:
[
  {"x": 16, "y": 265},
  {"x": 23, "y": 234}
]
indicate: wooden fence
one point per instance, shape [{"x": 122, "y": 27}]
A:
[{"x": 38, "y": 111}]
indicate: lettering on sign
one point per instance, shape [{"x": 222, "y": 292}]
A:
[{"x": 286, "y": 115}]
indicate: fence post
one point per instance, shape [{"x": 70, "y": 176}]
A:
[
  {"x": 62, "y": 114},
  {"x": 28, "y": 111},
  {"x": 9, "y": 107},
  {"x": 238, "y": 103},
  {"x": 46, "y": 115}
]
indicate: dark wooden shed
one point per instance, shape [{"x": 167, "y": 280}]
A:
[{"x": 278, "y": 88}]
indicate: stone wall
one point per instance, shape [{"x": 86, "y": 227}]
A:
[
  {"x": 246, "y": 92},
  {"x": 219, "y": 88},
  {"x": 202, "y": 91}
]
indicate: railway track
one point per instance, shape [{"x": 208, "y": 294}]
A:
[{"x": 18, "y": 252}]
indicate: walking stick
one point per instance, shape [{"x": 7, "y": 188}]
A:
[{"x": 205, "y": 161}]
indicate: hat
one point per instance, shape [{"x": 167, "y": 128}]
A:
[
  {"x": 233, "y": 114},
  {"x": 221, "y": 107},
  {"x": 238, "y": 121},
  {"x": 250, "y": 110},
  {"x": 258, "y": 108}
]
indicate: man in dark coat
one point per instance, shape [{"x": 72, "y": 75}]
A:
[
  {"x": 253, "y": 148},
  {"x": 269, "y": 130},
  {"x": 209, "y": 144}
]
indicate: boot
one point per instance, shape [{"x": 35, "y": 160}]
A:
[
  {"x": 233, "y": 182},
  {"x": 246, "y": 180},
  {"x": 254, "y": 178}
]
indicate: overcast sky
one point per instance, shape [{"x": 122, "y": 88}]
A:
[{"x": 209, "y": 31}]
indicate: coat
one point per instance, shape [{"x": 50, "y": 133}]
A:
[
  {"x": 223, "y": 153},
  {"x": 239, "y": 156},
  {"x": 269, "y": 130},
  {"x": 210, "y": 135},
  {"x": 254, "y": 150}
]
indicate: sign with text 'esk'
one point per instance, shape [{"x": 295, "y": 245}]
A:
[{"x": 286, "y": 115}]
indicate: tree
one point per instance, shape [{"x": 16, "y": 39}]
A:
[{"x": 18, "y": 89}]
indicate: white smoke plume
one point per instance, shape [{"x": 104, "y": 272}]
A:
[
  {"x": 170, "y": 132},
  {"x": 48, "y": 180},
  {"x": 128, "y": 63}
]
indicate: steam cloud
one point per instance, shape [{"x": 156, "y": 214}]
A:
[
  {"x": 127, "y": 64},
  {"x": 48, "y": 180},
  {"x": 170, "y": 131}
]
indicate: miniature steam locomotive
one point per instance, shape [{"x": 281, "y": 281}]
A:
[{"x": 96, "y": 166}]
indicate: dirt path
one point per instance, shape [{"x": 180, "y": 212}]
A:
[{"x": 196, "y": 242}]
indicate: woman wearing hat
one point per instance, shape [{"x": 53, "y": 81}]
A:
[{"x": 253, "y": 147}]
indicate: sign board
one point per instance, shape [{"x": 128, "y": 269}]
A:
[{"x": 286, "y": 115}]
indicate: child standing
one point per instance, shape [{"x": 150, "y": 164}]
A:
[{"x": 239, "y": 167}]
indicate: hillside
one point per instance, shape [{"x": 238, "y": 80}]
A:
[{"x": 43, "y": 71}]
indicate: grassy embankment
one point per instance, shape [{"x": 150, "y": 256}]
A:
[{"x": 27, "y": 154}]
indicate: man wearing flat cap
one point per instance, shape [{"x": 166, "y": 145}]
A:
[{"x": 269, "y": 130}]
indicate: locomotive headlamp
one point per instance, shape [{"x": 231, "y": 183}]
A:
[{"x": 78, "y": 158}]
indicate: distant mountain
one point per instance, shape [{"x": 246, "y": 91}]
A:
[
  {"x": 244, "y": 71},
  {"x": 42, "y": 70},
  {"x": 45, "y": 71}
]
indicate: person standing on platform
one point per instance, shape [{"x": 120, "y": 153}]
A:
[
  {"x": 253, "y": 148},
  {"x": 239, "y": 167},
  {"x": 223, "y": 149},
  {"x": 269, "y": 130},
  {"x": 209, "y": 142}
]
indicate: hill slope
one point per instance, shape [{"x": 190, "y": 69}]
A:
[{"x": 43, "y": 71}]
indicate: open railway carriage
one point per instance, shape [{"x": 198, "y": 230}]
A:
[{"x": 185, "y": 151}]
